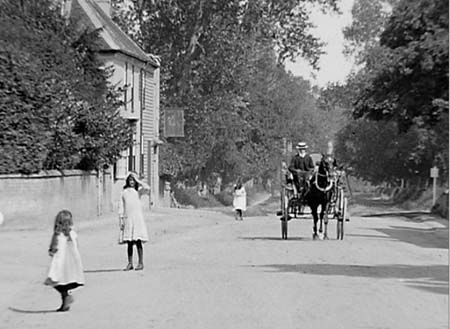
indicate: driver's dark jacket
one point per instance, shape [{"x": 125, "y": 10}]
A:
[{"x": 297, "y": 162}]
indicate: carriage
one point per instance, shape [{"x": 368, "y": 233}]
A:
[{"x": 293, "y": 202}]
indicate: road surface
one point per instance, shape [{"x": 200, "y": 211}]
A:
[{"x": 203, "y": 269}]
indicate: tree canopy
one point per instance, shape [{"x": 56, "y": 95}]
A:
[
  {"x": 400, "y": 91},
  {"x": 57, "y": 109},
  {"x": 223, "y": 63}
]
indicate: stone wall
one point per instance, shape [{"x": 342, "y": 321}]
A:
[{"x": 34, "y": 200}]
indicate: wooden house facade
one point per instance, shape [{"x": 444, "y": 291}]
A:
[{"x": 138, "y": 73}]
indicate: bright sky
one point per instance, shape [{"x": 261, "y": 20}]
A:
[{"x": 334, "y": 66}]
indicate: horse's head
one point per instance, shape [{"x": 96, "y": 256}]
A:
[
  {"x": 324, "y": 166},
  {"x": 323, "y": 174}
]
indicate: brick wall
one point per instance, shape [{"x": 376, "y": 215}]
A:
[{"x": 33, "y": 200}]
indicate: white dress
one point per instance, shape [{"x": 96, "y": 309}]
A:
[
  {"x": 66, "y": 266},
  {"x": 130, "y": 208},
  {"x": 240, "y": 199}
]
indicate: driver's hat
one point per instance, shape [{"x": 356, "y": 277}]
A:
[{"x": 301, "y": 146}]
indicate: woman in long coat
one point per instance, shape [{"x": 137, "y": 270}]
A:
[
  {"x": 239, "y": 199},
  {"x": 132, "y": 219}
]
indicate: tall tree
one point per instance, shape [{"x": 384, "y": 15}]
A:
[
  {"x": 403, "y": 80},
  {"x": 222, "y": 63},
  {"x": 57, "y": 110}
]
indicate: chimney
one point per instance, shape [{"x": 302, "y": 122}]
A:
[{"x": 105, "y": 5}]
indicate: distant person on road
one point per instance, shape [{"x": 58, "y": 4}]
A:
[
  {"x": 239, "y": 199},
  {"x": 302, "y": 167},
  {"x": 66, "y": 270},
  {"x": 131, "y": 219}
]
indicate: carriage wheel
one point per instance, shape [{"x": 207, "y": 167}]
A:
[
  {"x": 285, "y": 214},
  {"x": 344, "y": 215},
  {"x": 284, "y": 227},
  {"x": 338, "y": 228},
  {"x": 339, "y": 211}
]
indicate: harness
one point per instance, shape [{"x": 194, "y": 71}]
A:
[{"x": 326, "y": 189}]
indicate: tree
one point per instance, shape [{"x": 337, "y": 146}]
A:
[
  {"x": 57, "y": 110},
  {"x": 369, "y": 18},
  {"x": 409, "y": 85},
  {"x": 223, "y": 64}
]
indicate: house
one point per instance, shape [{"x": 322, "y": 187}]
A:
[{"x": 139, "y": 73}]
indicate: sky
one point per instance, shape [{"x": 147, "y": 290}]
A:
[{"x": 334, "y": 66}]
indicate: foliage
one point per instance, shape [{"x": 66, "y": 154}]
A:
[
  {"x": 399, "y": 95},
  {"x": 223, "y": 64},
  {"x": 57, "y": 110},
  {"x": 413, "y": 71},
  {"x": 369, "y": 18},
  {"x": 377, "y": 152}
]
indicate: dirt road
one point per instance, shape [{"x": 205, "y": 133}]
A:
[{"x": 205, "y": 270}]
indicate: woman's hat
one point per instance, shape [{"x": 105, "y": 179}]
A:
[{"x": 301, "y": 146}]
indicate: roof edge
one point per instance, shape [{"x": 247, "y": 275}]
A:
[{"x": 151, "y": 58}]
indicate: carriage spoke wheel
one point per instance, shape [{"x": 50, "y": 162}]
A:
[
  {"x": 339, "y": 214},
  {"x": 284, "y": 228},
  {"x": 285, "y": 214},
  {"x": 341, "y": 218}
]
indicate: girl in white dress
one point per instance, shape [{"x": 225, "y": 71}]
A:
[
  {"x": 131, "y": 219},
  {"x": 66, "y": 270},
  {"x": 239, "y": 199}
]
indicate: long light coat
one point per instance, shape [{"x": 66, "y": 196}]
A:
[
  {"x": 130, "y": 208},
  {"x": 240, "y": 199}
]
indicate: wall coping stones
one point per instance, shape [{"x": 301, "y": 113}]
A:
[{"x": 50, "y": 174}]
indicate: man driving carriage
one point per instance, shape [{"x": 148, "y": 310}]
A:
[{"x": 302, "y": 167}]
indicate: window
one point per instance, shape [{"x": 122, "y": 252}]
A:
[
  {"x": 125, "y": 99},
  {"x": 131, "y": 159},
  {"x": 132, "y": 89}
]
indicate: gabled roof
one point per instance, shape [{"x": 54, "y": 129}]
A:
[{"x": 112, "y": 38}]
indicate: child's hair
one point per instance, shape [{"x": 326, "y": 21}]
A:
[
  {"x": 127, "y": 182},
  {"x": 63, "y": 222}
]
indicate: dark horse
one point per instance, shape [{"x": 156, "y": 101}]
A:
[{"x": 319, "y": 194}]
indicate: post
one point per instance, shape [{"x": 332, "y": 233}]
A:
[
  {"x": 167, "y": 190},
  {"x": 434, "y": 191},
  {"x": 99, "y": 179},
  {"x": 434, "y": 173}
]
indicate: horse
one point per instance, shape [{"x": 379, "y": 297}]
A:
[{"x": 320, "y": 194}]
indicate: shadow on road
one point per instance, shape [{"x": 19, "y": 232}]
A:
[
  {"x": 104, "y": 270},
  {"x": 421, "y": 237},
  {"x": 433, "y": 278},
  {"x": 31, "y": 311},
  {"x": 268, "y": 238},
  {"x": 413, "y": 216},
  {"x": 368, "y": 236}
]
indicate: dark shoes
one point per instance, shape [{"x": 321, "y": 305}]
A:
[
  {"x": 129, "y": 267},
  {"x": 66, "y": 304},
  {"x": 139, "y": 267}
]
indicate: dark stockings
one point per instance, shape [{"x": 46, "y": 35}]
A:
[
  {"x": 62, "y": 290},
  {"x": 140, "y": 252},
  {"x": 65, "y": 297}
]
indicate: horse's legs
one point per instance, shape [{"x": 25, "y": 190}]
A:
[
  {"x": 324, "y": 217},
  {"x": 315, "y": 219},
  {"x": 321, "y": 218}
]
